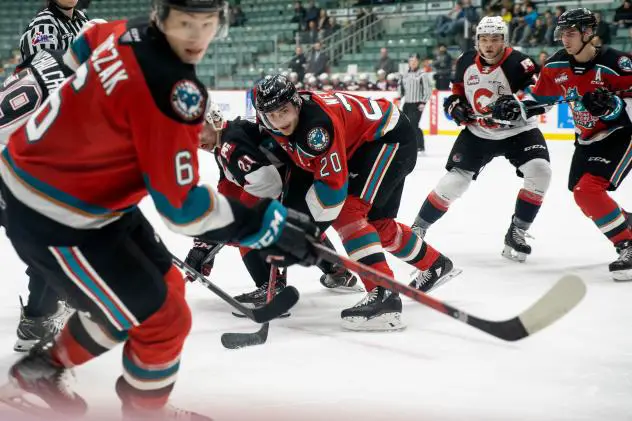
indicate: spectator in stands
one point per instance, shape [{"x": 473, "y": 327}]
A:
[
  {"x": 311, "y": 35},
  {"x": 442, "y": 66},
  {"x": 549, "y": 23},
  {"x": 558, "y": 12},
  {"x": 537, "y": 35},
  {"x": 299, "y": 16},
  {"x": 531, "y": 15},
  {"x": 385, "y": 63},
  {"x": 312, "y": 13},
  {"x": 542, "y": 58},
  {"x": 323, "y": 22},
  {"x": 505, "y": 13},
  {"x": 318, "y": 61},
  {"x": 444, "y": 22},
  {"x": 603, "y": 31},
  {"x": 334, "y": 27},
  {"x": 623, "y": 14},
  {"x": 298, "y": 63}
]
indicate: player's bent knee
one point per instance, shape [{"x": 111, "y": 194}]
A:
[
  {"x": 354, "y": 213},
  {"x": 387, "y": 229},
  {"x": 454, "y": 184},
  {"x": 587, "y": 187},
  {"x": 537, "y": 175}
]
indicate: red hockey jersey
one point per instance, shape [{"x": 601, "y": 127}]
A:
[
  {"x": 563, "y": 76},
  {"x": 332, "y": 126},
  {"x": 126, "y": 124}
]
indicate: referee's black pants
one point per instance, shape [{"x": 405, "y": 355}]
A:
[{"x": 411, "y": 110}]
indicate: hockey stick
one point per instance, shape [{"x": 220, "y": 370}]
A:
[
  {"x": 241, "y": 340},
  {"x": 558, "y": 301},
  {"x": 280, "y": 304}
]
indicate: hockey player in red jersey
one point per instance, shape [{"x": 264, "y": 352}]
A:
[
  {"x": 359, "y": 151},
  {"x": 591, "y": 76},
  {"x": 247, "y": 174},
  {"x": 126, "y": 125},
  {"x": 492, "y": 73}
]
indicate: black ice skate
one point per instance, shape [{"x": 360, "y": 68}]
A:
[
  {"x": 38, "y": 374},
  {"x": 621, "y": 268},
  {"x": 168, "y": 412},
  {"x": 441, "y": 271},
  {"x": 258, "y": 297},
  {"x": 33, "y": 329},
  {"x": 379, "y": 310},
  {"x": 341, "y": 280},
  {"x": 516, "y": 247}
]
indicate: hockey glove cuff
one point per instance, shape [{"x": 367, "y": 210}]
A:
[{"x": 458, "y": 108}]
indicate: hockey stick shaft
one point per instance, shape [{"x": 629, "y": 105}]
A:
[
  {"x": 281, "y": 303},
  {"x": 565, "y": 295},
  {"x": 567, "y": 100}
]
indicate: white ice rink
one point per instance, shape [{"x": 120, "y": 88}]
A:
[{"x": 437, "y": 369}]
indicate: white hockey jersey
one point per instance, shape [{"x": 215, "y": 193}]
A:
[{"x": 483, "y": 84}]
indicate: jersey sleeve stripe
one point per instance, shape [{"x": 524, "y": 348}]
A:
[
  {"x": 81, "y": 49},
  {"x": 324, "y": 202}
]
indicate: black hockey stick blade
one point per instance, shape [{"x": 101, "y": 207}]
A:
[
  {"x": 558, "y": 301},
  {"x": 279, "y": 305},
  {"x": 241, "y": 340}
]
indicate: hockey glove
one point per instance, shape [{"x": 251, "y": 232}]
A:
[
  {"x": 457, "y": 107},
  {"x": 603, "y": 103},
  {"x": 509, "y": 108},
  {"x": 284, "y": 233},
  {"x": 198, "y": 258}
]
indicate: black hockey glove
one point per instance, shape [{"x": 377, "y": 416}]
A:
[
  {"x": 509, "y": 108},
  {"x": 458, "y": 108},
  {"x": 198, "y": 258},
  {"x": 284, "y": 233},
  {"x": 602, "y": 103}
]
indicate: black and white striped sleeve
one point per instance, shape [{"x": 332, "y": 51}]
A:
[
  {"x": 426, "y": 87},
  {"x": 41, "y": 34}
]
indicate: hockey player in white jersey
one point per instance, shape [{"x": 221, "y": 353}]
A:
[{"x": 485, "y": 79}]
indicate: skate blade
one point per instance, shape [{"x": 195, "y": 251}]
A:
[
  {"x": 387, "y": 322},
  {"x": 24, "y": 345},
  {"x": 622, "y": 275},
  {"x": 516, "y": 256},
  {"x": 242, "y": 316},
  {"x": 358, "y": 287},
  {"x": 12, "y": 395},
  {"x": 445, "y": 278}
]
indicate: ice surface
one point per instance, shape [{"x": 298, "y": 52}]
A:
[{"x": 436, "y": 370}]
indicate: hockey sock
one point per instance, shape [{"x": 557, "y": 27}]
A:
[
  {"x": 42, "y": 299},
  {"x": 591, "y": 197},
  {"x": 324, "y": 266},
  {"x": 431, "y": 211},
  {"x": 399, "y": 240},
  {"x": 527, "y": 206},
  {"x": 256, "y": 265},
  {"x": 151, "y": 356}
]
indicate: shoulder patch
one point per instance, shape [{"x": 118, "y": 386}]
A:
[
  {"x": 625, "y": 63},
  {"x": 187, "y": 100},
  {"x": 41, "y": 38},
  {"x": 318, "y": 139}
]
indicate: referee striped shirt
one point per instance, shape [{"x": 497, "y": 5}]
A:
[
  {"x": 414, "y": 86},
  {"x": 51, "y": 29}
]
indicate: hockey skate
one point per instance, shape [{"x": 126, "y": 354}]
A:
[
  {"x": 341, "y": 280},
  {"x": 258, "y": 297},
  {"x": 436, "y": 275},
  {"x": 516, "y": 247},
  {"x": 168, "y": 412},
  {"x": 621, "y": 268},
  {"x": 379, "y": 310},
  {"x": 38, "y": 374},
  {"x": 33, "y": 329}
]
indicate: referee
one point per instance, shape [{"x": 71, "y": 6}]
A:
[
  {"x": 415, "y": 89},
  {"x": 53, "y": 28}
]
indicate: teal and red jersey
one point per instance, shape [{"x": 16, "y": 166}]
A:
[
  {"x": 563, "y": 76},
  {"x": 331, "y": 128}
]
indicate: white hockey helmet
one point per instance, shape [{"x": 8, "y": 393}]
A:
[
  {"x": 323, "y": 78},
  {"x": 392, "y": 77},
  {"x": 492, "y": 25},
  {"x": 347, "y": 79},
  {"x": 214, "y": 116}
]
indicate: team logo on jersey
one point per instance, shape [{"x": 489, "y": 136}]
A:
[
  {"x": 581, "y": 116},
  {"x": 187, "y": 100},
  {"x": 473, "y": 80},
  {"x": 561, "y": 78},
  {"x": 40, "y": 38},
  {"x": 528, "y": 65},
  {"x": 318, "y": 139},
  {"x": 625, "y": 64}
]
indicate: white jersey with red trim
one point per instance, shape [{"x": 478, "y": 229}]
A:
[{"x": 483, "y": 84}]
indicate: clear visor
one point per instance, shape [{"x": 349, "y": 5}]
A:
[{"x": 561, "y": 30}]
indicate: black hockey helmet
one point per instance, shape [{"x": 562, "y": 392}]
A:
[
  {"x": 162, "y": 8},
  {"x": 273, "y": 92},
  {"x": 581, "y": 19}
]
